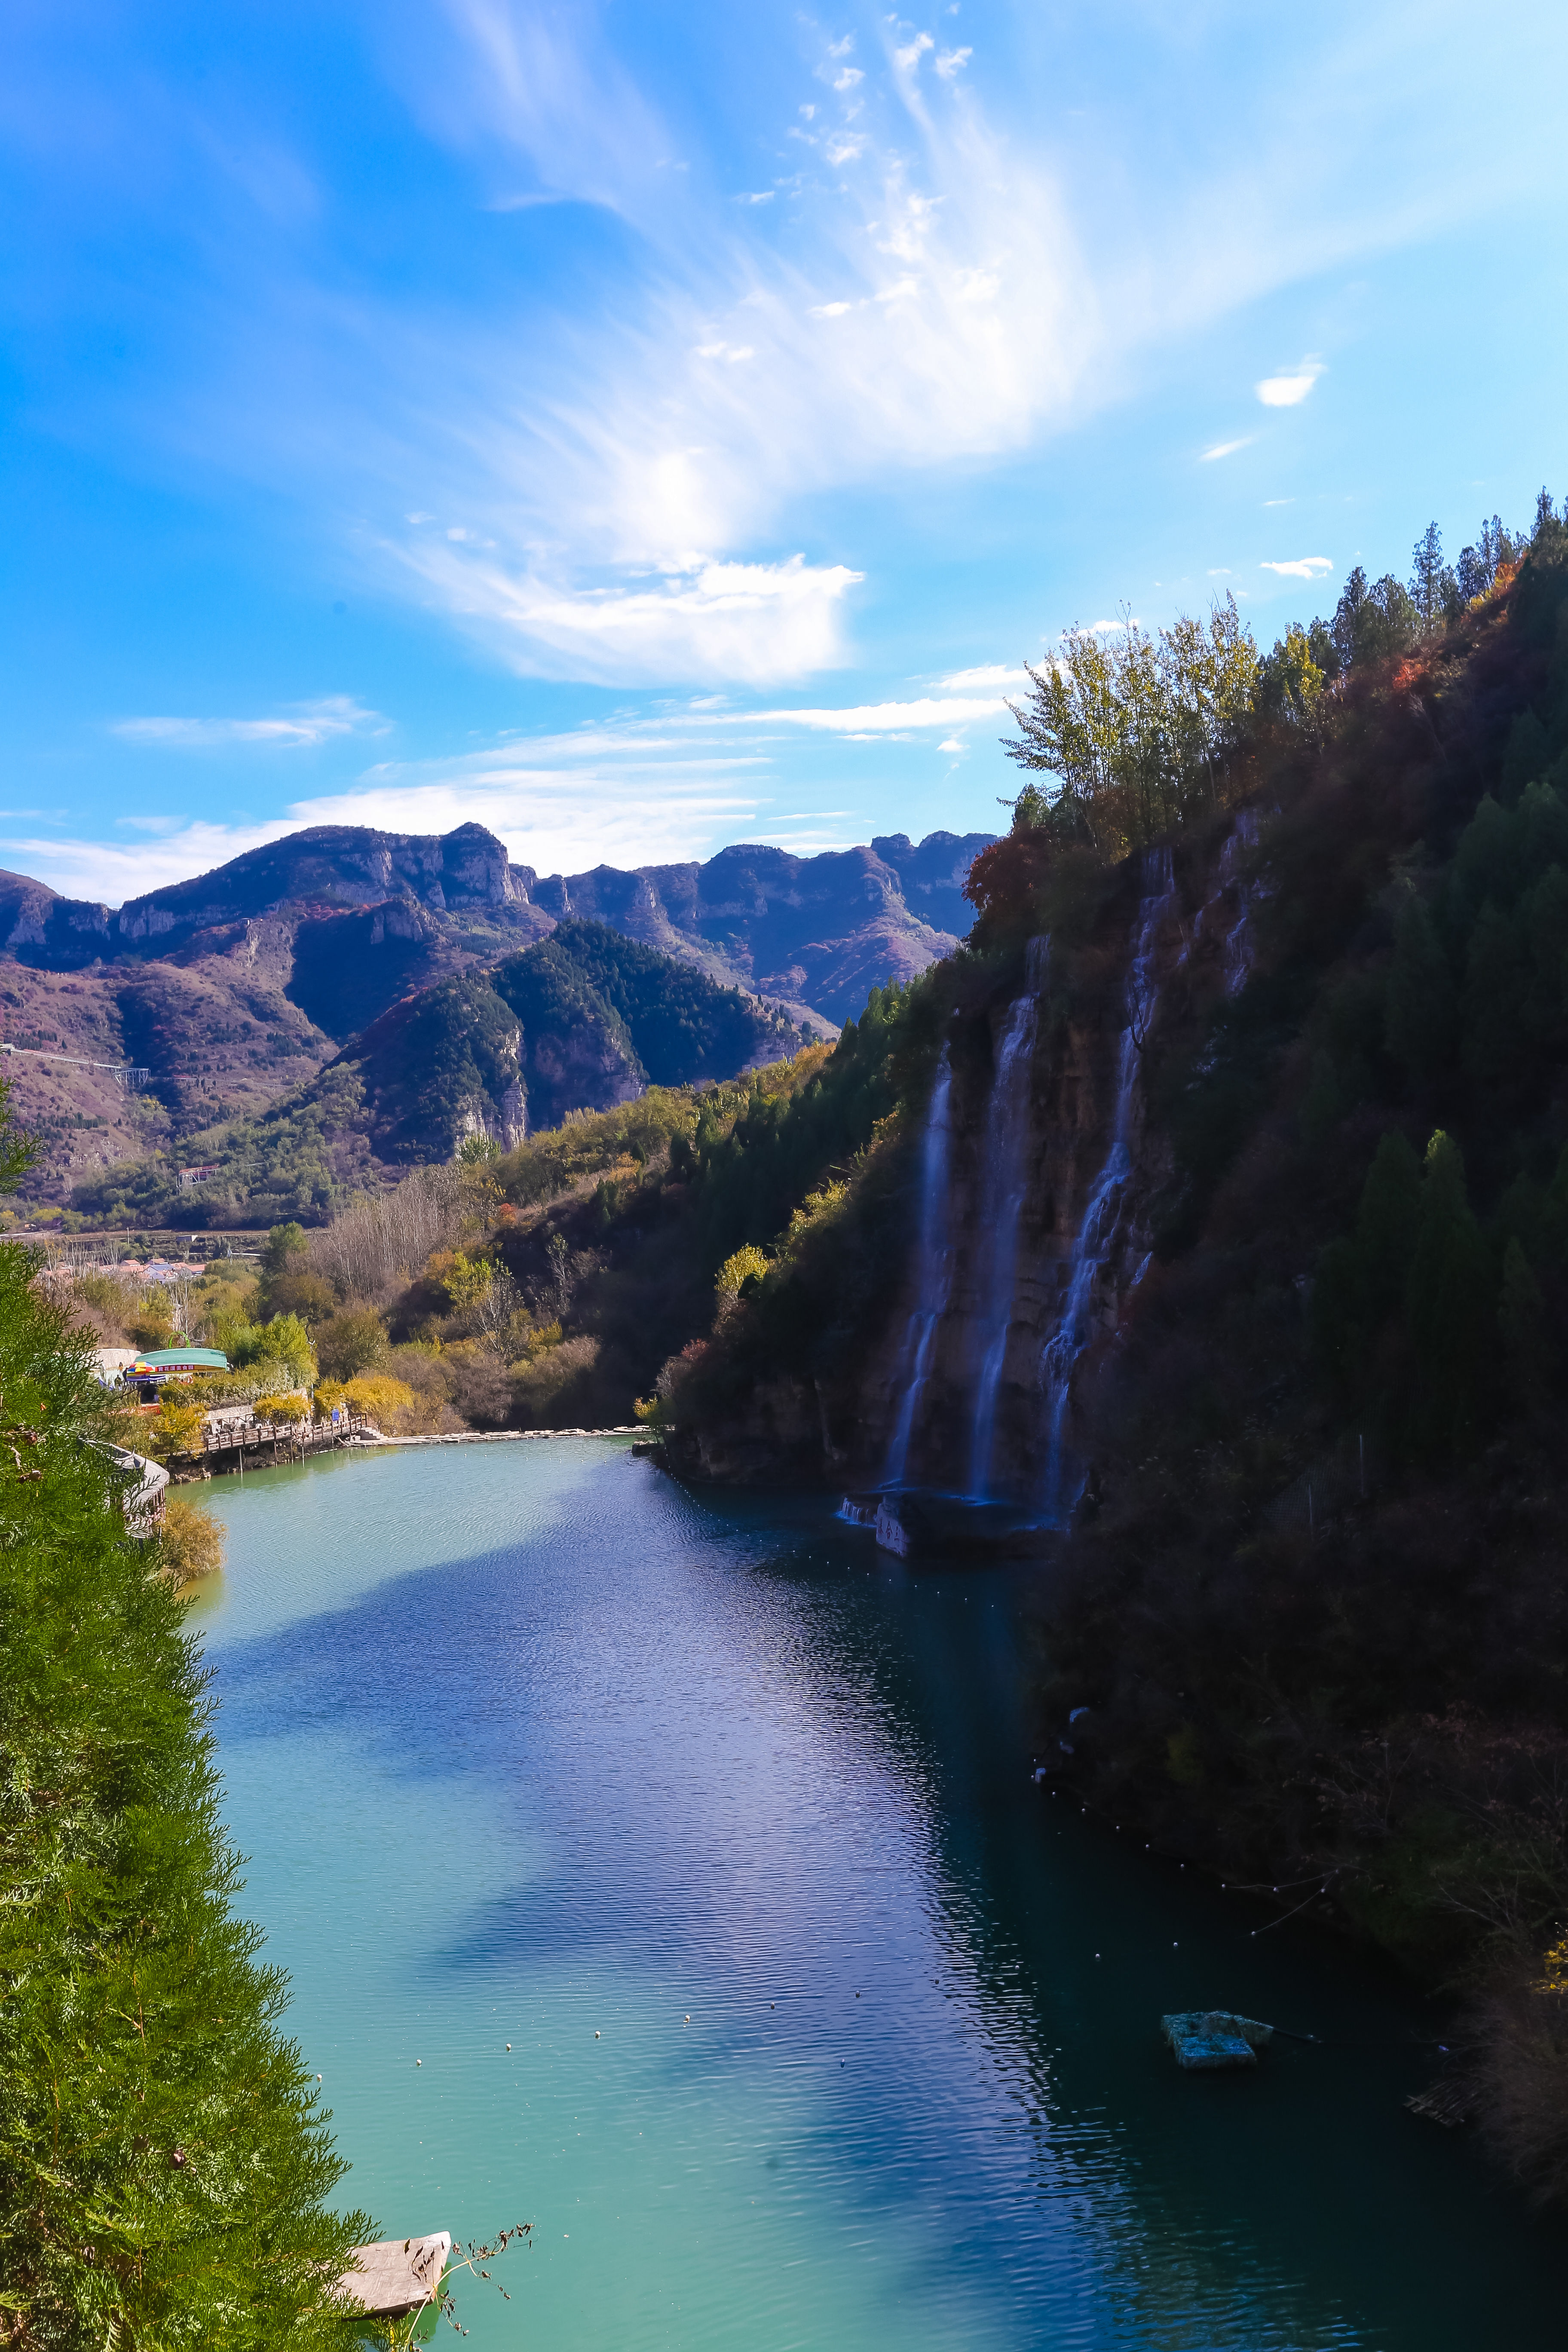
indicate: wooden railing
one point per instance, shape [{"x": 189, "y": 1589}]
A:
[{"x": 282, "y": 1440}]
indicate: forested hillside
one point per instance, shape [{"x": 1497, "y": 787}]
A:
[
  {"x": 580, "y": 1020},
  {"x": 1310, "y": 1624}
]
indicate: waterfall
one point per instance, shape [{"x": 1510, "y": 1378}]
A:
[
  {"x": 1097, "y": 1232},
  {"x": 1238, "y": 941},
  {"x": 934, "y": 1271},
  {"x": 1004, "y": 1179}
]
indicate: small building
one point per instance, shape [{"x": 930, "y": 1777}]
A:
[
  {"x": 150, "y": 1370},
  {"x": 191, "y": 1177},
  {"x": 113, "y": 1364}
]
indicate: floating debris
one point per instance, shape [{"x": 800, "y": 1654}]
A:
[
  {"x": 1205, "y": 2040},
  {"x": 1447, "y": 2103}
]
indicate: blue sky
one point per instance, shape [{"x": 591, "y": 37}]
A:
[{"x": 642, "y": 427}]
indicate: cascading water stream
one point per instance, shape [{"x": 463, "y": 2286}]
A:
[
  {"x": 934, "y": 1271},
  {"x": 1238, "y": 941},
  {"x": 1097, "y": 1231},
  {"x": 1004, "y": 1184}
]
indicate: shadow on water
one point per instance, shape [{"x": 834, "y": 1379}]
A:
[{"x": 535, "y": 1747}]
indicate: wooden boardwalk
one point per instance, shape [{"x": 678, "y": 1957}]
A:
[{"x": 238, "y": 1445}]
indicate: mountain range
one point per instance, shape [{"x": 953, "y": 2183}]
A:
[{"x": 340, "y": 948}]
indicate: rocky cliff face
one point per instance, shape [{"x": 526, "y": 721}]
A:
[
  {"x": 1030, "y": 1205},
  {"x": 813, "y": 934}
]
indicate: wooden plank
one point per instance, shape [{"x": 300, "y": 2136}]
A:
[{"x": 397, "y": 2276}]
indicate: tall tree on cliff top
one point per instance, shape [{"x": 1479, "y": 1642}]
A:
[
  {"x": 1134, "y": 727},
  {"x": 1427, "y": 577}
]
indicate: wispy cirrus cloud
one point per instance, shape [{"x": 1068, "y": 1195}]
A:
[
  {"x": 627, "y": 792},
  {"x": 301, "y": 725},
  {"x": 954, "y": 273},
  {"x": 883, "y": 717},
  {"x": 751, "y": 624},
  {"x": 1002, "y": 676},
  {"x": 1224, "y": 449}
]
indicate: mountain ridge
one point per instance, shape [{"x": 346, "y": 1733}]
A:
[
  {"x": 234, "y": 987},
  {"x": 837, "y": 923}
]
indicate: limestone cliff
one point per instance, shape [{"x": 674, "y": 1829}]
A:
[{"x": 1023, "y": 1206}]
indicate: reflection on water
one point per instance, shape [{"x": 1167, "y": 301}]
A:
[{"x": 828, "y": 2027}]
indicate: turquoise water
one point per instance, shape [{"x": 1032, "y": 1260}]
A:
[{"x": 829, "y": 2027}]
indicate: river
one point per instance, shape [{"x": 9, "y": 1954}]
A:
[{"x": 828, "y": 2027}]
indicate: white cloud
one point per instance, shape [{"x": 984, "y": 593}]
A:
[
  {"x": 847, "y": 79},
  {"x": 624, "y": 796},
  {"x": 757, "y": 624},
  {"x": 996, "y": 674},
  {"x": 1301, "y": 567},
  {"x": 762, "y": 196},
  {"x": 1289, "y": 391},
  {"x": 112, "y": 873},
  {"x": 880, "y": 717},
  {"x": 1224, "y": 449},
  {"x": 953, "y": 743},
  {"x": 1038, "y": 264},
  {"x": 305, "y": 723},
  {"x": 952, "y": 61}
]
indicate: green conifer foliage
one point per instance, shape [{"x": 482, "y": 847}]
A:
[
  {"x": 1494, "y": 1038},
  {"x": 1543, "y": 820},
  {"x": 1339, "y": 1318},
  {"x": 1553, "y": 1226},
  {"x": 164, "y": 2161},
  {"x": 1487, "y": 863},
  {"x": 1546, "y": 928},
  {"x": 1419, "y": 1013},
  {"x": 1522, "y": 1318},
  {"x": 1529, "y": 750},
  {"x": 1386, "y": 1227},
  {"x": 1449, "y": 1312}
]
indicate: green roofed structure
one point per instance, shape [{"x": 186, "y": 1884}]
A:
[{"x": 167, "y": 1364}]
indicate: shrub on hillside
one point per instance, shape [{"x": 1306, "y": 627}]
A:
[
  {"x": 377, "y": 1395},
  {"x": 174, "y": 1429},
  {"x": 282, "y": 1347},
  {"x": 555, "y": 1390},
  {"x": 285, "y": 1409},
  {"x": 191, "y": 1542},
  {"x": 353, "y": 1340},
  {"x": 106, "y": 1305}
]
